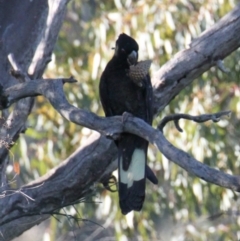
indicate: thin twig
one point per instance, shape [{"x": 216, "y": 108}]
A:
[
  {"x": 199, "y": 119},
  {"x": 69, "y": 80}
]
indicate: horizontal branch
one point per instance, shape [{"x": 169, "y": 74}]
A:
[
  {"x": 53, "y": 92},
  {"x": 181, "y": 158},
  {"x": 86, "y": 171}
]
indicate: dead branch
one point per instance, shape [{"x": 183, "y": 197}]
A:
[
  {"x": 212, "y": 46},
  {"x": 199, "y": 119},
  {"x": 112, "y": 126},
  {"x": 55, "y": 193}
]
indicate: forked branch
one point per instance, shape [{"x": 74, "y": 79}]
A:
[{"x": 112, "y": 126}]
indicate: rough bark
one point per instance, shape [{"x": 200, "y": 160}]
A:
[
  {"x": 30, "y": 38},
  {"x": 28, "y": 30},
  {"x": 73, "y": 179}
]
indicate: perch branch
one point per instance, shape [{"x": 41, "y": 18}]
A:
[
  {"x": 112, "y": 126},
  {"x": 60, "y": 191}
]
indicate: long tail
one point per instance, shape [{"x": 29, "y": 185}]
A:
[{"x": 132, "y": 172}]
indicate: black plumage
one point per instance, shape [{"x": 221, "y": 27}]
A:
[{"x": 119, "y": 94}]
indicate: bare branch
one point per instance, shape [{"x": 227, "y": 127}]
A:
[
  {"x": 204, "y": 52},
  {"x": 112, "y": 126},
  {"x": 180, "y": 157},
  {"x": 56, "y": 190},
  {"x": 72, "y": 180},
  {"x": 69, "y": 80},
  {"x": 199, "y": 119}
]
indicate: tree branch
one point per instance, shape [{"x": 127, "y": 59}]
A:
[
  {"x": 54, "y": 191},
  {"x": 112, "y": 126},
  {"x": 72, "y": 180},
  {"x": 212, "y": 46},
  {"x": 199, "y": 119}
]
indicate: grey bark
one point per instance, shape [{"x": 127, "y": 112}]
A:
[{"x": 28, "y": 30}]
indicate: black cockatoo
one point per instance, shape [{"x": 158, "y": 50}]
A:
[{"x": 120, "y": 93}]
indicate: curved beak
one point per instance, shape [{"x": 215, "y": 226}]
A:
[{"x": 132, "y": 57}]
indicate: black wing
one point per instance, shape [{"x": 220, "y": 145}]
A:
[{"x": 104, "y": 94}]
